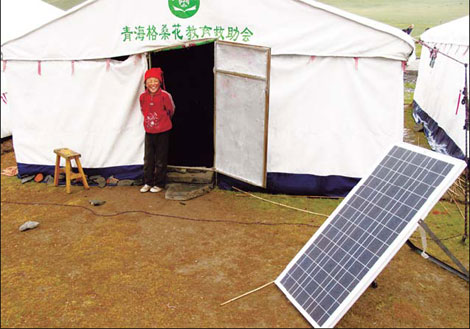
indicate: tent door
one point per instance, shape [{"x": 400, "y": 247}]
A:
[
  {"x": 189, "y": 78},
  {"x": 241, "y": 79}
]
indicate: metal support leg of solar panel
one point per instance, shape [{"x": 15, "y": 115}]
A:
[
  {"x": 357, "y": 241},
  {"x": 463, "y": 273}
]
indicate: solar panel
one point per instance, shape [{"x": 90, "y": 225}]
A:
[{"x": 365, "y": 231}]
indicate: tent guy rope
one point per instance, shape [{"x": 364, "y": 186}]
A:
[
  {"x": 438, "y": 51},
  {"x": 280, "y": 204},
  {"x": 247, "y": 293}
]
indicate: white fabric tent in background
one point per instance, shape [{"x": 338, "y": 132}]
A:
[
  {"x": 5, "y": 117},
  {"x": 22, "y": 16},
  {"x": 18, "y": 18},
  {"x": 305, "y": 96},
  {"x": 437, "y": 102}
]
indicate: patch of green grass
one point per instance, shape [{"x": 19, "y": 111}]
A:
[
  {"x": 64, "y": 4},
  {"x": 446, "y": 221},
  {"x": 409, "y": 92},
  {"x": 401, "y": 13}
]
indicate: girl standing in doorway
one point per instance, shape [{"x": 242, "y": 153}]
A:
[{"x": 157, "y": 107}]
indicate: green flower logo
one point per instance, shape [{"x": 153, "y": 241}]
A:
[{"x": 183, "y": 8}]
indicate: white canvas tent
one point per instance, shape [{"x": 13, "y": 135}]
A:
[
  {"x": 437, "y": 100},
  {"x": 5, "y": 117},
  {"x": 302, "y": 98},
  {"x": 17, "y": 18}
]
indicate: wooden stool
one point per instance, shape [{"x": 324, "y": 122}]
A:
[{"x": 69, "y": 174}]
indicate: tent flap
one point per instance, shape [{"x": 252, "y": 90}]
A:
[{"x": 241, "y": 111}]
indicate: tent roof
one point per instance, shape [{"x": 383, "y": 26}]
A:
[
  {"x": 453, "y": 32},
  {"x": 96, "y": 29},
  {"x": 16, "y": 21}
]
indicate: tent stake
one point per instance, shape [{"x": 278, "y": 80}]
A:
[{"x": 247, "y": 293}]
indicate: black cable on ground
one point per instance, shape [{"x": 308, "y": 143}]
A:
[{"x": 158, "y": 214}]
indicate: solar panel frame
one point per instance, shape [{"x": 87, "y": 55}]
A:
[{"x": 457, "y": 167}]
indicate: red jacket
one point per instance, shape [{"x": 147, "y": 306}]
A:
[{"x": 157, "y": 110}]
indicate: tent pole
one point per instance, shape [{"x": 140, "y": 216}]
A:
[{"x": 149, "y": 60}]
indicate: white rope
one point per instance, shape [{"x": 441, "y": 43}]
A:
[{"x": 280, "y": 204}]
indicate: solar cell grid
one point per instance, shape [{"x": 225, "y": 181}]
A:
[{"x": 357, "y": 235}]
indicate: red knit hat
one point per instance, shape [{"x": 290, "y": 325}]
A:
[{"x": 154, "y": 72}]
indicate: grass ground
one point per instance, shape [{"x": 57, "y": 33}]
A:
[{"x": 142, "y": 261}]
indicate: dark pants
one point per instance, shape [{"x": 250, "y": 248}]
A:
[{"x": 156, "y": 158}]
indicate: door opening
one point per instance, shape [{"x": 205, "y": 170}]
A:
[{"x": 189, "y": 78}]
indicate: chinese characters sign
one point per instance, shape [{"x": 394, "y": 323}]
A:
[{"x": 166, "y": 32}]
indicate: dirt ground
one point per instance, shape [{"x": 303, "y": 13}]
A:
[{"x": 140, "y": 260}]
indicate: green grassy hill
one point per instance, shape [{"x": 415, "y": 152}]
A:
[
  {"x": 401, "y": 13},
  {"x": 64, "y": 4}
]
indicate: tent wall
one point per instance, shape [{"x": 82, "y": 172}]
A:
[
  {"x": 438, "y": 88},
  {"x": 5, "y": 113},
  {"x": 91, "y": 107},
  {"x": 16, "y": 21},
  {"x": 334, "y": 115}
]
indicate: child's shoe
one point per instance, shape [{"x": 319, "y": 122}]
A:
[
  {"x": 155, "y": 189},
  {"x": 145, "y": 188}
]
